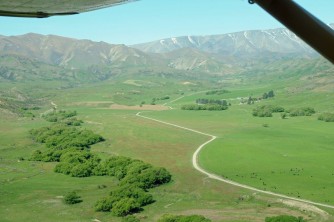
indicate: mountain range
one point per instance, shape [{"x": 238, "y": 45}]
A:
[{"x": 215, "y": 54}]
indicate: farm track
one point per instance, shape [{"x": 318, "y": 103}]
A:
[{"x": 219, "y": 178}]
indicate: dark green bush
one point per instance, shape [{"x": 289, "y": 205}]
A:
[
  {"x": 57, "y": 116},
  {"x": 327, "y": 117},
  {"x": 77, "y": 164},
  {"x": 104, "y": 204},
  {"x": 125, "y": 206},
  {"x": 147, "y": 178},
  {"x": 72, "y": 198},
  {"x": 267, "y": 110},
  {"x": 123, "y": 201},
  {"x": 304, "y": 111}
]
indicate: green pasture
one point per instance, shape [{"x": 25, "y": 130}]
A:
[
  {"x": 34, "y": 190},
  {"x": 290, "y": 156}
]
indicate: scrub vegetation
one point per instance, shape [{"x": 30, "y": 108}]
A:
[{"x": 70, "y": 146}]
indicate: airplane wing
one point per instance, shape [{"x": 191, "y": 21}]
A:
[
  {"x": 44, "y": 9},
  {"x": 309, "y": 28}
]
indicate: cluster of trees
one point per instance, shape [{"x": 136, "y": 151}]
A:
[
  {"x": 267, "y": 110},
  {"x": 181, "y": 218},
  {"x": 303, "y": 111},
  {"x": 60, "y": 139},
  {"x": 136, "y": 177},
  {"x": 268, "y": 95},
  {"x": 217, "y": 92},
  {"x": 210, "y": 107},
  {"x": 212, "y": 101},
  {"x": 252, "y": 100},
  {"x": 70, "y": 146},
  {"x": 79, "y": 163},
  {"x": 284, "y": 218},
  {"x": 58, "y": 116},
  {"x": 327, "y": 117}
]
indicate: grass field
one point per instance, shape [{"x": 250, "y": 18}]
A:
[{"x": 291, "y": 156}]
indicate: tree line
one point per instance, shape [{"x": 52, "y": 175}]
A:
[
  {"x": 212, "y": 101},
  {"x": 252, "y": 100},
  {"x": 268, "y": 110},
  {"x": 217, "y": 92},
  {"x": 207, "y": 104},
  {"x": 210, "y": 107}
]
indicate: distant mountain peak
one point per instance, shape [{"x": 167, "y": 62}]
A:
[{"x": 281, "y": 41}]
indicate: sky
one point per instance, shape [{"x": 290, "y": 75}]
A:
[{"x": 149, "y": 20}]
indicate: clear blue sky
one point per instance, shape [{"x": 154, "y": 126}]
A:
[{"x": 148, "y": 20}]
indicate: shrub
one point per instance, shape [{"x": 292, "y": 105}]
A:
[
  {"x": 148, "y": 178},
  {"x": 327, "y": 117},
  {"x": 132, "y": 191},
  {"x": 114, "y": 166},
  {"x": 128, "y": 194},
  {"x": 262, "y": 111},
  {"x": 77, "y": 164},
  {"x": 58, "y": 116},
  {"x": 105, "y": 204},
  {"x": 267, "y": 110},
  {"x": 72, "y": 198},
  {"x": 37, "y": 156},
  {"x": 305, "y": 111},
  {"x": 125, "y": 206}
]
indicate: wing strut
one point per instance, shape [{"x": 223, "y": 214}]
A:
[{"x": 309, "y": 28}]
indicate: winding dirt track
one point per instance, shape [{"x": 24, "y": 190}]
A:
[{"x": 216, "y": 177}]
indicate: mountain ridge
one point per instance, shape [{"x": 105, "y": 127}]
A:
[
  {"x": 213, "y": 54},
  {"x": 245, "y": 42}
]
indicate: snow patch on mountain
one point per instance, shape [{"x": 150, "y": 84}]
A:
[{"x": 174, "y": 40}]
